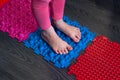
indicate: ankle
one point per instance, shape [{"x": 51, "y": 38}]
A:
[
  {"x": 58, "y": 21},
  {"x": 49, "y": 31}
]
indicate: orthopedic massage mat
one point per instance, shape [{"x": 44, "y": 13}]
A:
[
  {"x": 16, "y": 18},
  {"x": 40, "y": 47},
  {"x": 101, "y": 61}
]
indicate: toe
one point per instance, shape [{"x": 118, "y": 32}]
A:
[
  {"x": 76, "y": 39},
  {"x": 57, "y": 51},
  {"x": 66, "y": 51},
  {"x": 69, "y": 47},
  {"x": 63, "y": 51},
  {"x": 60, "y": 51}
]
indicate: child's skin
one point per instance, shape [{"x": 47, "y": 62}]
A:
[{"x": 48, "y": 33}]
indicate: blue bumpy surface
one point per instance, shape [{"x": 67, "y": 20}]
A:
[{"x": 40, "y": 47}]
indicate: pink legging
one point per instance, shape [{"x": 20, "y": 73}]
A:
[{"x": 44, "y": 9}]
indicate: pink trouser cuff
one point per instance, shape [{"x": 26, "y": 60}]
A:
[{"x": 44, "y": 9}]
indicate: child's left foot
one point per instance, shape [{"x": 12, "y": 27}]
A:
[{"x": 69, "y": 30}]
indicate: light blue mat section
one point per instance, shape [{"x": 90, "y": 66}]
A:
[{"x": 40, "y": 47}]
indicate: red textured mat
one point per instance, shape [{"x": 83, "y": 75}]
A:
[
  {"x": 101, "y": 61},
  {"x": 2, "y": 2}
]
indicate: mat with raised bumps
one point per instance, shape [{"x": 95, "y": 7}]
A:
[
  {"x": 40, "y": 47},
  {"x": 16, "y": 19},
  {"x": 101, "y": 61}
]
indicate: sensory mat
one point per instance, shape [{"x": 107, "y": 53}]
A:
[
  {"x": 16, "y": 19},
  {"x": 3, "y": 2},
  {"x": 40, "y": 47},
  {"x": 100, "y": 61}
]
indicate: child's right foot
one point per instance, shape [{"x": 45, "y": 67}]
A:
[{"x": 57, "y": 44}]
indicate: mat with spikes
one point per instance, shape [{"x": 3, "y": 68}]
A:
[
  {"x": 40, "y": 47},
  {"x": 101, "y": 61}
]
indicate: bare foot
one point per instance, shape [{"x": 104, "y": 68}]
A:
[
  {"x": 69, "y": 30},
  {"x": 57, "y": 44}
]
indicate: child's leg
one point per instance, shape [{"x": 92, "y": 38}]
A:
[
  {"x": 57, "y": 10},
  {"x": 41, "y": 12}
]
